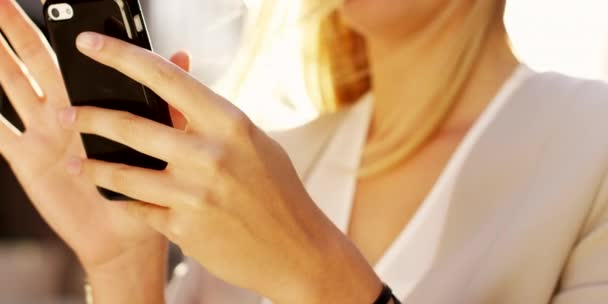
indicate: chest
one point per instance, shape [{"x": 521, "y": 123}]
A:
[{"x": 384, "y": 205}]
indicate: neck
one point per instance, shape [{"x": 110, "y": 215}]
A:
[{"x": 405, "y": 73}]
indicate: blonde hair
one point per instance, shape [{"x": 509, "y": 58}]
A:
[{"x": 336, "y": 69}]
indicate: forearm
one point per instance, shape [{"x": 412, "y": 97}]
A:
[
  {"x": 342, "y": 275},
  {"x": 137, "y": 278}
]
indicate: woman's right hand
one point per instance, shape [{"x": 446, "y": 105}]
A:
[{"x": 102, "y": 235}]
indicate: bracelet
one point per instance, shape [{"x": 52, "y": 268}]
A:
[
  {"x": 387, "y": 296},
  {"x": 88, "y": 293}
]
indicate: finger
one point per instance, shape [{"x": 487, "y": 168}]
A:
[
  {"x": 178, "y": 119},
  {"x": 141, "y": 134},
  {"x": 183, "y": 60},
  {"x": 17, "y": 84},
  {"x": 170, "y": 82},
  {"x": 30, "y": 45},
  {"x": 140, "y": 184},
  {"x": 155, "y": 216},
  {"x": 8, "y": 135}
]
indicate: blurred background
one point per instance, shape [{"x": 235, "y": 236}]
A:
[{"x": 561, "y": 35}]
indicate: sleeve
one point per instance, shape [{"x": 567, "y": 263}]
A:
[
  {"x": 185, "y": 287},
  {"x": 193, "y": 284},
  {"x": 585, "y": 276}
]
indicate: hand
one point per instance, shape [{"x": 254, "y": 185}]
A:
[
  {"x": 230, "y": 196},
  {"x": 100, "y": 232}
]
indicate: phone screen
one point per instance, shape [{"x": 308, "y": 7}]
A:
[{"x": 90, "y": 83}]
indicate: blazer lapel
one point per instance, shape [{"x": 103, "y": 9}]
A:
[
  {"x": 332, "y": 179},
  {"x": 464, "y": 192},
  {"x": 482, "y": 192}
]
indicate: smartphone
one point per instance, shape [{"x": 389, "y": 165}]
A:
[{"x": 90, "y": 83}]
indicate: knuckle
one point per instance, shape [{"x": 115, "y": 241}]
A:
[
  {"x": 162, "y": 72},
  {"x": 216, "y": 161},
  {"x": 196, "y": 199},
  {"x": 239, "y": 125},
  {"x": 209, "y": 157},
  {"x": 176, "y": 230},
  {"x": 200, "y": 200},
  {"x": 126, "y": 126},
  {"x": 183, "y": 226},
  {"x": 31, "y": 49}
]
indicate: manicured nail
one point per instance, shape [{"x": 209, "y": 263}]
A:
[
  {"x": 89, "y": 41},
  {"x": 74, "y": 166},
  {"x": 67, "y": 116}
]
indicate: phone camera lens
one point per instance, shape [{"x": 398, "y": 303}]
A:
[{"x": 55, "y": 13}]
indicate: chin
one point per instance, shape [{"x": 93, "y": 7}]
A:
[{"x": 378, "y": 17}]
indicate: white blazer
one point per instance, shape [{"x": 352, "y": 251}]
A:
[{"x": 519, "y": 215}]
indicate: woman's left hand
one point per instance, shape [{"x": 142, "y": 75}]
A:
[{"x": 230, "y": 196}]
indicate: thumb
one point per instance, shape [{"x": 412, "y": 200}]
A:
[{"x": 183, "y": 60}]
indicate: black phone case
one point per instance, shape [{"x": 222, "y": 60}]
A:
[{"x": 90, "y": 83}]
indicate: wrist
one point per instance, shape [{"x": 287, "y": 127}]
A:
[
  {"x": 136, "y": 276},
  {"x": 342, "y": 275},
  {"x": 352, "y": 279}
]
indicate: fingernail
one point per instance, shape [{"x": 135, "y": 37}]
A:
[
  {"x": 67, "y": 116},
  {"x": 74, "y": 166},
  {"x": 89, "y": 41}
]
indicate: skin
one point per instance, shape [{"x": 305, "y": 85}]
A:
[
  {"x": 399, "y": 48},
  {"x": 230, "y": 197},
  {"x": 225, "y": 176},
  {"x": 121, "y": 245}
]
